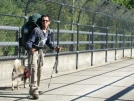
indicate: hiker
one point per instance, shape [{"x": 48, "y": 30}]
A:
[{"x": 38, "y": 38}]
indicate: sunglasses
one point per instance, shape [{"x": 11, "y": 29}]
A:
[{"x": 45, "y": 20}]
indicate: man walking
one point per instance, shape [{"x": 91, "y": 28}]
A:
[{"x": 35, "y": 45}]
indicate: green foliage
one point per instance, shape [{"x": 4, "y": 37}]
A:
[
  {"x": 131, "y": 4},
  {"x": 77, "y": 15},
  {"x": 8, "y": 7},
  {"x": 125, "y": 3}
]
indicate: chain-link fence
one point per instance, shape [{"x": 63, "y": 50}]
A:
[
  {"x": 10, "y": 26},
  {"x": 78, "y": 25}
]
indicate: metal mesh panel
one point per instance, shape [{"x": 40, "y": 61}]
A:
[
  {"x": 77, "y": 25},
  {"x": 11, "y": 20}
]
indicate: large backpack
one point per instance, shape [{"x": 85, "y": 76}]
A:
[{"x": 34, "y": 21}]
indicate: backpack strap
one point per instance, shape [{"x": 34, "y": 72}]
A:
[{"x": 39, "y": 35}]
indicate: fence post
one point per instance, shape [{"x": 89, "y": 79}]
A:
[
  {"x": 92, "y": 45},
  {"x": 77, "y": 54},
  {"x": 123, "y": 41},
  {"x": 106, "y": 48}
]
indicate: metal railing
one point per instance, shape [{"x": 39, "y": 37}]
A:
[{"x": 78, "y": 26}]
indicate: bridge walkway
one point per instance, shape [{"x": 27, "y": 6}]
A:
[{"x": 109, "y": 82}]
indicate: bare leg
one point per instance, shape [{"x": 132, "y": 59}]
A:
[
  {"x": 24, "y": 82},
  {"x": 17, "y": 84},
  {"x": 12, "y": 84}
]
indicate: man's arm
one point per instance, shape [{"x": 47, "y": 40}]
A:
[{"x": 31, "y": 39}]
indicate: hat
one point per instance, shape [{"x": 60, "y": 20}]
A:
[{"x": 35, "y": 18}]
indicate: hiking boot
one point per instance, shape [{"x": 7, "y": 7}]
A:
[
  {"x": 40, "y": 92},
  {"x": 35, "y": 96},
  {"x": 34, "y": 93}
]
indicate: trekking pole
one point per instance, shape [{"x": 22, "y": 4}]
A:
[{"x": 55, "y": 65}]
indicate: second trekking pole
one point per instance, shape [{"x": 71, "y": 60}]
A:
[{"x": 55, "y": 66}]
